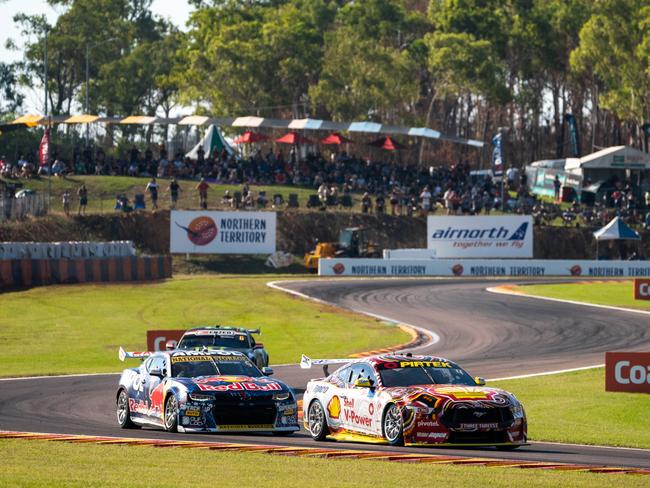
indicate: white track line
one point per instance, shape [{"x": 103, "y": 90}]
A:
[
  {"x": 500, "y": 291},
  {"x": 547, "y": 373},
  {"x": 432, "y": 337},
  {"x": 45, "y": 377}
]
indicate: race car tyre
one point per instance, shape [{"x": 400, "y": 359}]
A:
[
  {"x": 171, "y": 413},
  {"x": 393, "y": 425},
  {"x": 317, "y": 422},
  {"x": 123, "y": 412}
]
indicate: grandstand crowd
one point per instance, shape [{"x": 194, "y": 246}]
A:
[{"x": 383, "y": 186}]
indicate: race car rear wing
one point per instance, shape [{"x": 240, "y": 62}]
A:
[
  {"x": 122, "y": 354},
  {"x": 306, "y": 363}
]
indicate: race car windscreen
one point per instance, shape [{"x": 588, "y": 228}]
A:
[
  {"x": 194, "y": 366},
  {"x": 411, "y": 373},
  {"x": 230, "y": 341}
]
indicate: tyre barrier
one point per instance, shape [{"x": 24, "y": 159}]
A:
[{"x": 38, "y": 272}]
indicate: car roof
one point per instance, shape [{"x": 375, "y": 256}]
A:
[
  {"x": 216, "y": 329},
  {"x": 204, "y": 352}
]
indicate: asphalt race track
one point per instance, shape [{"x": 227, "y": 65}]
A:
[{"x": 490, "y": 335}]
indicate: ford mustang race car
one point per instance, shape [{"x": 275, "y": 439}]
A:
[
  {"x": 410, "y": 400},
  {"x": 228, "y": 338},
  {"x": 203, "y": 391}
]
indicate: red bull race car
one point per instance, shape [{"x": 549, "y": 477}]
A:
[
  {"x": 203, "y": 391},
  {"x": 410, "y": 400}
]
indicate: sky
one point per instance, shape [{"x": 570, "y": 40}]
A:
[{"x": 176, "y": 10}]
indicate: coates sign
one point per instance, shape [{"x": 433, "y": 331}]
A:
[
  {"x": 157, "y": 339},
  {"x": 641, "y": 289},
  {"x": 481, "y": 237},
  {"x": 222, "y": 232},
  {"x": 627, "y": 371}
]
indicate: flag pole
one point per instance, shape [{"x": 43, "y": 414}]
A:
[{"x": 47, "y": 126}]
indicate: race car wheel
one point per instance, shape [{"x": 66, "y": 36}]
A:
[
  {"x": 317, "y": 422},
  {"x": 171, "y": 414},
  {"x": 393, "y": 425},
  {"x": 123, "y": 412}
]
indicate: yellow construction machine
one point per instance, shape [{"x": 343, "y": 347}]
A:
[{"x": 353, "y": 243}]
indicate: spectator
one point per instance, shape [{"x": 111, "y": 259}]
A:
[
  {"x": 366, "y": 203},
  {"x": 152, "y": 188},
  {"x": 323, "y": 192},
  {"x": 556, "y": 186},
  {"x": 65, "y": 201},
  {"x": 174, "y": 189},
  {"x": 202, "y": 188},
  {"x": 425, "y": 199},
  {"x": 395, "y": 198},
  {"x": 450, "y": 199},
  {"x": 82, "y": 193}
]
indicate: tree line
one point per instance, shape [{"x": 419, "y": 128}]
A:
[{"x": 464, "y": 67}]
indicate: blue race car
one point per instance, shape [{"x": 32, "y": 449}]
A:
[
  {"x": 226, "y": 338},
  {"x": 203, "y": 391}
]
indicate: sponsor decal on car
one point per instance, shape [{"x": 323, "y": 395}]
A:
[
  {"x": 492, "y": 425},
  {"x": 250, "y": 386},
  {"x": 334, "y": 407},
  {"x": 352, "y": 417},
  {"x": 192, "y": 413},
  {"x": 179, "y": 359},
  {"x": 246, "y": 427},
  {"x": 462, "y": 392}
]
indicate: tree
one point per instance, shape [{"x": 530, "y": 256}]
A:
[
  {"x": 10, "y": 99},
  {"x": 613, "y": 47}
]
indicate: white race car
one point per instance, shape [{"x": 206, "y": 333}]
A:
[{"x": 410, "y": 400}]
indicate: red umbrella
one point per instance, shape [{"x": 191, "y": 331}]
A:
[
  {"x": 335, "y": 139},
  {"x": 387, "y": 143},
  {"x": 293, "y": 138},
  {"x": 249, "y": 137}
]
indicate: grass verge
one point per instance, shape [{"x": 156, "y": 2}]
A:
[
  {"x": 574, "y": 407},
  {"x": 39, "y": 463},
  {"x": 78, "y": 328},
  {"x": 612, "y": 293},
  {"x": 102, "y": 191}
]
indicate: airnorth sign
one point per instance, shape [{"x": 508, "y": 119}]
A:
[{"x": 480, "y": 237}]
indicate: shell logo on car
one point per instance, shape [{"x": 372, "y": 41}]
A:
[{"x": 334, "y": 407}]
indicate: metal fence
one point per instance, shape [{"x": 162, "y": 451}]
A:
[{"x": 20, "y": 208}]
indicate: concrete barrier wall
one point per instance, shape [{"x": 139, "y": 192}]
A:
[{"x": 36, "y": 272}]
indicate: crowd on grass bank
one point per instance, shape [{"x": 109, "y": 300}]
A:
[{"x": 383, "y": 187}]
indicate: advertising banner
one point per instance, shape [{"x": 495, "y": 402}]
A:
[
  {"x": 156, "y": 339},
  {"x": 627, "y": 371},
  {"x": 508, "y": 236},
  {"x": 482, "y": 267},
  {"x": 642, "y": 289},
  {"x": 497, "y": 155},
  {"x": 202, "y": 232}
]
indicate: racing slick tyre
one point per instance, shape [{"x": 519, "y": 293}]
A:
[
  {"x": 317, "y": 421},
  {"x": 393, "y": 425},
  {"x": 123, "y": 412},
  {"x": 171, "y": 413}
]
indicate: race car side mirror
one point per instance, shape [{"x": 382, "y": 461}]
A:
[
  {"x": 170, "y": 345},
  {"x": 266, "y": 371},
  {"x": 362, "y": 383},
  {"x": 479, "y": 381},
  {"x": 156, "y": 372}
]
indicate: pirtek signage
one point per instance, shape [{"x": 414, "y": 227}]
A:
[
  {"x": 627, "y": 371},
  {"x": 642, "y": 289}
]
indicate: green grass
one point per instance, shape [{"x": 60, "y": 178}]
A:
[
  {"x": 78, "y": 328},
  {"x": 614, "y": 293},
  {"x": 102, "y": 191},
  {"x": 574, "y": 407},
  {"x": 43, "y": 463}
]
